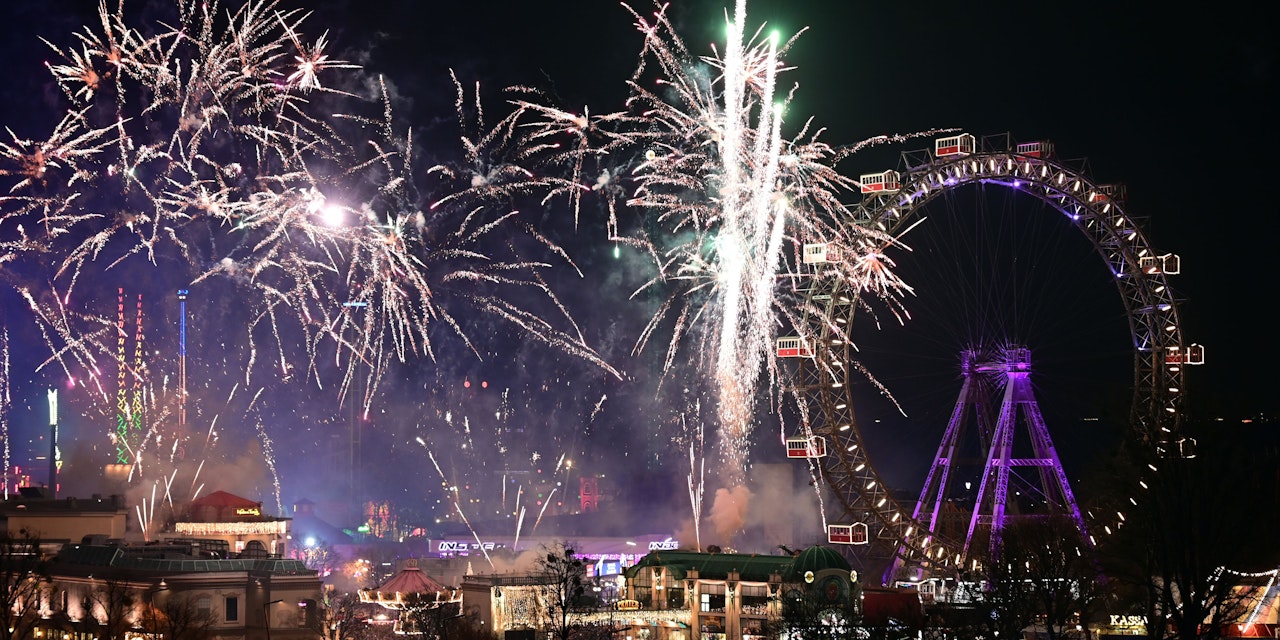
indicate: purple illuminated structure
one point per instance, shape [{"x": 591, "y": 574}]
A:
[
  {"x": 1017, "y": 441},
  {"x": 963, "y": 447},
  {"x": 1053, "y": 493}
]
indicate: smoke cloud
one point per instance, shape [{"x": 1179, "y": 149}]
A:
[{"x": 729, "y": 512}]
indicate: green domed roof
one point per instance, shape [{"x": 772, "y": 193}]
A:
[{"x": 815, "y": 559}]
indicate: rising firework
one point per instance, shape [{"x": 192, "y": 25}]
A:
[{"x": 729, "y": 205}]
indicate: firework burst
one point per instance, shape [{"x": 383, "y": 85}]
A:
[
  {"x": 728, "y": 205},
  {"x": 206, "y": 154}
]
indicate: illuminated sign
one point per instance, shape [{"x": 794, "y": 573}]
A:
[
  {"x": 628, "y": 605},
  {"x": 1128, "y": 621},
  {"x": 454, "y": 546},
  {"x": 621, "y": 557},
  {"x": 631, "y": 553},
  {"x": 248, "y": 511}
]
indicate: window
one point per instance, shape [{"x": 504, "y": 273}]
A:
[
  {"x": 204, "y": 605},
  {"x": 233, "y": 609},
  {"x": 713, "y": 602}
]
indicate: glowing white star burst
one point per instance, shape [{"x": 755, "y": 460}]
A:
[{"x": 310, "y": 62}]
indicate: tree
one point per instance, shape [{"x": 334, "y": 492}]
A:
[
  {"x": 320, "y": 557},
  {"x": 433, "y": 618},
  {"x": 811, "y": 613},
  {"x": 1184, "y": 526},
  {"x": 1044, "y": 573},
  {"x": 438, "y": 619},
  {"x": 24, "y": 579},
  {"x": 177, "y": 617},
  {"x": 341, "y": 619},
  {"x": 561, "y": 585},
  {"x": 112, "y": 603},
  {"x": 562, "y": 588}
]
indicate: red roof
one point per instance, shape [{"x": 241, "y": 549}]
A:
[
  {"x": 221, "y": 506},
  {"x": 222, "y": 499},
  {"x": 411, "y": 579}
]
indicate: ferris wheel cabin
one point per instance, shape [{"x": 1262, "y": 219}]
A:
[
  {"x": 820, "y": 253},
  {"x": 961, "y": 145},
  {"x": 1042, "y": 149},
  {"x": 1168, "y": 263},
  {"x": 883, "y": 182},
  {"x": 802, "y": 447},
  {"x": 1107, "y": 193},
  {"x": 855, "y": 533},
  {"x": 793, "y": 347},
  {"x": 1192, "y": 355}
]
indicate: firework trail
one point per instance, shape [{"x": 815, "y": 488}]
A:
[
  {"x": 453, "y": 496},
  {"x": 168, "y": 487},
  {"x": 475, "y": 535},
  {"x": 196, "y": 478},
  {"x": 596, "y": 410},
  {"x": 543, "y": 510},
  {"x": 698, "y": 467},
  {"x": 268, "y": 455},
  {"x": 147, "y": 514},
  {"x": 515, "y": 545},
  {"x": 492, "y": 175},
  {"x": 4, "y": 399},
  {"x": 554, "y": 474}
]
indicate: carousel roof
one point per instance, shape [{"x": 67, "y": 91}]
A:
[{"x": 410, "y": 587}]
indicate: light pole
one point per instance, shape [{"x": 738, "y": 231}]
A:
[
  {"x": 266, "y": 616},
  {"x": 357, "y": 416},
  {"x": 55, "y": 456},
  {"x": 153, "y": 616}
]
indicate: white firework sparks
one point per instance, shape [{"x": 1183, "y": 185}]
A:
[
  {"x": 733, "y": 201},
  {"x": 208, "y": 154}
]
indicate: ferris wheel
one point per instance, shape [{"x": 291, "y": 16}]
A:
[{"x": 893, "y": 201}]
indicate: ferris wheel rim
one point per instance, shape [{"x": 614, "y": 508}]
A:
[{"x": 1150, "y": 308}]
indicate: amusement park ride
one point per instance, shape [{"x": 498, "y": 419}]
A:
[{"x": 892, "y": 201}]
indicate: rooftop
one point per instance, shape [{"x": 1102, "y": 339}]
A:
[
  {"x": 715, "y": 566},
  {"x": 751, "y": 567},
  {"x": 19, "y": 505},
  {"x": 137, "y": 559}
]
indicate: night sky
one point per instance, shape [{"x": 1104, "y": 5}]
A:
[{"x": 1177, "y": 106}]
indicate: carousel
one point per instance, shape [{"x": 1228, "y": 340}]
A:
[{"x": 416, "y": 598}]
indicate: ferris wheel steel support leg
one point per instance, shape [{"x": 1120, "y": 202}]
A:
[
  {"x": 1004, "y": 449},
  {"x": 1020, "y": 399},
  {"x": 973, "y": 399},
  {"x": 1047, "y": 452},
  {"x": 941, "y": 470}
]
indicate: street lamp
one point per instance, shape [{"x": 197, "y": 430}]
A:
[
  {"x": 153, "y": 615},
  {"x": 266, "y": 616}
]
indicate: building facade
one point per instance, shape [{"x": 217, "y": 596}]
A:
[
  {"x": 240, "y": 522},
  {"x": 67, "y": 519},
  {"x": 167, "y": 591},
  {"x": 684, "y": 595}
]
